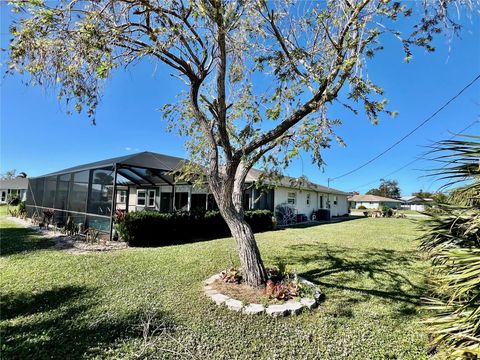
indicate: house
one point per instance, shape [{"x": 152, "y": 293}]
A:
[
  {"x": 11, "y": 188},
  {"x": 415, "y": 203},
  {"x": 90, "y": 193},
  {"x": 373, "y": 202}
]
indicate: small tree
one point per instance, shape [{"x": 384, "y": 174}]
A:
[{"x": 258, "y": 75}]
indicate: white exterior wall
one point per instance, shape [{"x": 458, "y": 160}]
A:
[
  {"x": 376, "y": 205},
  {"x": 5, "y": 193},
  {"x": 340, "y": 208},
  {"x": 132, "y": 199}
]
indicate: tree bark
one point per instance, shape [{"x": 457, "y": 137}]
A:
[
  {"x": 228, "y": 195},
  {"x": 251, "y": 262}
]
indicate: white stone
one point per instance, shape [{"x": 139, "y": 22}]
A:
[
  {"x": 253, "y": 309},
  {"x": 212, "y": 279},
  {"x": 318, "y": 295},
  {"x": 233, "y": 304},
  {"x": 294, "y": 306},
  {"x": 277, "y": 310},
  {"x": 219, "y": 298},
  {"x": 305, "y": 281},
  {"x": 211, "y": 292},
  {"x": 308, "y": 303}
]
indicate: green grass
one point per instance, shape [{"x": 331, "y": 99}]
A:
[{"x": 59, "y": 305}]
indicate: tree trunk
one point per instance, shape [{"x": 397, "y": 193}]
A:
[{"x": 251, "y": 262}]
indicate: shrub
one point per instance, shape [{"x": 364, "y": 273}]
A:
[
  {"x": 21, "y": 208},
  {"x": 387, "y": 212},
  {"x": 362, "y": 207},
  {"x": 151, "y": 228}
]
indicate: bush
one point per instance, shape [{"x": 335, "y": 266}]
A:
[
  {"x": 362, "y": 207},
  {"x": 21, "y": 208},
  {"x": 387, "y": 212},
  {"x": 151, "y": 228}
]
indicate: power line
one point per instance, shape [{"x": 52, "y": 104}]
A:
[
  {"x": 417, "y": 159},
  {"x": 410, "y": 133}
]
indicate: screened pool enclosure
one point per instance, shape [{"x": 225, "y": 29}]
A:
[
  {"x": 90, "y": 194},
  {"x": 85, "y": 193}
]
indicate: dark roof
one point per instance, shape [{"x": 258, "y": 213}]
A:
[
  {"x": 15, "y": 183},
  {"x": 146, "y": 159},
  {"x": 151, "y": 160},
  {"x": 290, "y": 182},
  {"x": 371, "y": 198}
]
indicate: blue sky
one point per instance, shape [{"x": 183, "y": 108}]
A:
[{"x": 38, "y": 137}]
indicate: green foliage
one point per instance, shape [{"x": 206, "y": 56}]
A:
[
  {"x": 90, "y": 306},
  {"x": 452, "y": 240},
  {"x": 362, "y": 207},
  {"x": 387, "y": 188},
  {"x": 151, "y": 228}
]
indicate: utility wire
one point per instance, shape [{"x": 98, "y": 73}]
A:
[
  {"x": 417, "y": 159},
  {"x": 410, "y": 133}
]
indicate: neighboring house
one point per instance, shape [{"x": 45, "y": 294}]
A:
[
  {"x": 415, "y": 203},
  {"x": 10, "y": 188},
  {"x": 373, "y": 202},
  {"x": 90, "y": 193}
]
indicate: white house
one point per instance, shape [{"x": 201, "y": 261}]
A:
[
  {"x": 10, "y": 188},
  {"x": 91, "y": 193},
  {"x": 415, "y": 203},
  {"x": 373, "y": 202}
]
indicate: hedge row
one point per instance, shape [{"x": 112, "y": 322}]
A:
[{"x": 151, "y": 228}]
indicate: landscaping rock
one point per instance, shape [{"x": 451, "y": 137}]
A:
[
  {"x": 277, "y": 310},
  {"x": 210, "y": 293},
  {"x": 294, "y": 307},
  {"x": 212, "y": 279},
  {"x": 308, "y": 303},
  {"x": 318, "y": 296},
  {"x": 253, "y": 309},
  {"x": 233, "y": 304},
  {"x": 219, "y": 298}
]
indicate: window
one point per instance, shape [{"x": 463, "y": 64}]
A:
[
  {"x": 308, "y": 199},
  {"x": 151, "y": 198},
  {"x": 121, "y": 196},
  {"x": 292, "y": 198},
  {"x": 334, "y": 200},
  {"x": 4, "y": 196},
  {"x": 141, "y": 197}
]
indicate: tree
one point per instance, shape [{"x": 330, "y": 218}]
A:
[
  {"x": 387, "y": 188},
  {"x": 452, "y": 241},
  {"x": 423, "y": 194},
  {"x": 258, "y": 76},
  {"x": 10, "y": 174}
]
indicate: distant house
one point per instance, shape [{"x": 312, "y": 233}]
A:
[
  {"x": 373, "y": 202},
  {"x": 90, "y": 193},
  {"x": 10, "y": 188},
  {"x": 415, "y": 203}
]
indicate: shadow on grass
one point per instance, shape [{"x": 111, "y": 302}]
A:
[
  {"x": 19, "y": 240},
  {"x": 55, "y": 324},
  {"x": 381, "y": 273}
]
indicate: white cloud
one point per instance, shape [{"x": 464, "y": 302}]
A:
[{"x": 128, "y": 148}]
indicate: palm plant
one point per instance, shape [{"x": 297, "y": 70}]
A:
[{"x": 452, "y": 240}]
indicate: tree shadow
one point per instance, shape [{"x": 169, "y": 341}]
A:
[
  {"x": 20, "y": 240},
  {"x": 54, "y": 324},
  {"x": 381, "y": 273}
]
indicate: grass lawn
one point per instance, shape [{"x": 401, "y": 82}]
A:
[{"x": 59, "y": 305}]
